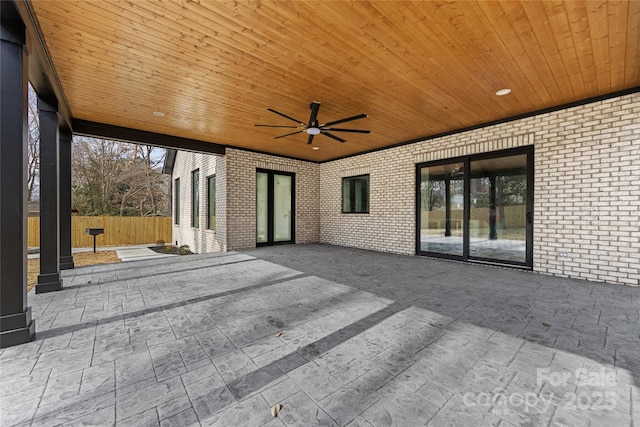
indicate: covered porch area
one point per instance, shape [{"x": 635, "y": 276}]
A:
[{"x": 336, "y": 336}]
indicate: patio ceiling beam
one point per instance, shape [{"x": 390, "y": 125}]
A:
[{"x": 119, "y": 133}]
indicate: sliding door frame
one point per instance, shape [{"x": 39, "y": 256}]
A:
[{"x": 466, "y": 160}]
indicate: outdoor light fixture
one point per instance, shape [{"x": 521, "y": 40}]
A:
[
  {"x": 315, "y": 148},
  {"x": 503, "y": 92},
  {"x": 313, "y": 131},
  {"x": 158, "y": 113}
]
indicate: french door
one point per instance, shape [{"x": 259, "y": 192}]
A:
[
  {"x": 275, "y": 207},
  {"x": 477, "y": 208}
]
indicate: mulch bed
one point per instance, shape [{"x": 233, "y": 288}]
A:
[
  {"x": 170, "y": 249},
  {"x": 80, "y": 259}
]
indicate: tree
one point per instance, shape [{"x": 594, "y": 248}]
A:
[
  {"x": 433, "y": 195},
  {"x": 108, "y": 177},
  {"x": 33, "y": 147},
  {"x": 513, "y": 189},
  {"x": 116, "y": 178}
]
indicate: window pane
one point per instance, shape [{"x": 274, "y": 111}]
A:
[
  {"x": 442, "y": 208},
  {"x": 195, "y": 199},
  {"x": 346, "y": 199},
  {"x": 282, "y": 208},
  {"x": 211, "y": 198},
  {"x": 262, "y": 194},
  {"x": 355, "y": 194},
  {"x": 497, "y": 227}
]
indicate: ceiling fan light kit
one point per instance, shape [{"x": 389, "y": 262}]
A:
[{"x": 314, "y": 128}]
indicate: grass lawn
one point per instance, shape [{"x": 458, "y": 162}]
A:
[{"x": 79, "y": 259}]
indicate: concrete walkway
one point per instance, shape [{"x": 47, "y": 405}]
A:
[
  {"x": 337, "y": 336},
  {"x": 139, "y": 253},
  {"x": 125, "y": 253}
]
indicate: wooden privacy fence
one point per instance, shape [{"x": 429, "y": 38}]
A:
[
  {"x": 514, "y": 217},
  {"x": 118, "y": 230}
]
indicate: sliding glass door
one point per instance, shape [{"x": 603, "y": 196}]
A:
[
  {"x": 275, "y": 207},
  {"x": 477, "y": 208}
]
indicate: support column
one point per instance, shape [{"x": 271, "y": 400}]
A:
[
  {"x": 66, "y": 259},
  {"x": 16, "y": 325},
  {"x": 49, "y": 278},
  {"x": 447, "y": 204},
  {"x": 493, "y": 234}
]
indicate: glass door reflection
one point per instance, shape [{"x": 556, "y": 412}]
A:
[
  {"x": 442, "y": 209},
  {"x": 498, "y": 214},
  {"x": 282, "y": 208},
  {"x": 262, "y": 207}
]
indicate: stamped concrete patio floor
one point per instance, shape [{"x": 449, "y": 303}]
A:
[{"x": 337, "y": 336}]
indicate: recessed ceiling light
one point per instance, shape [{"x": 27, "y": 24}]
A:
[
  {"x": 158, "y": 113},
  {"x": 503, "y": 92},
  {"x": 315, "y": 148}
]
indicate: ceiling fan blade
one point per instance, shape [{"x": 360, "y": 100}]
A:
[
  {"x": 285, "y": 116},
  {"x": 346, "y": 130},
  {"x": 310, "y": 140},
  {"x": 333, "y": 136},
  {"x": 348, "y": 119},
  {"x": 278, "y": 126},
  {"x": 315, "y": 106},
  {"x": 287, "y": 134}
]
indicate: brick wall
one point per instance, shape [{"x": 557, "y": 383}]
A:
[
  {"x": 241, "y": 196},
  {"x": 201, "y": 239},
  {"x": 390, "y": 224},
  {"x": 587, "y": 189}
]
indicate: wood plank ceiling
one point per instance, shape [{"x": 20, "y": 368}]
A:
[{"x": 417, "y": 68}]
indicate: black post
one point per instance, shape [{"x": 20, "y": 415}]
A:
[
  {"x": 49, "y": 278},
  {"x": 16, "y": 325},
  {"x": 64, "y": 188},
  {"x": 493, "y": 234},
  {"x": 447, "y": 204}
]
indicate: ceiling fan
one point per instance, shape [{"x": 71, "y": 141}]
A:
[{"x": 314, "y": 127}]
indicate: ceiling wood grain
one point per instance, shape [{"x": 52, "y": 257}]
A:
[{"x": 417, "y": 68}]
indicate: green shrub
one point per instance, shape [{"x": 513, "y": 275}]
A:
[
  {"x": 184, "y": 250},
  {"x": 160, "y": 243}
]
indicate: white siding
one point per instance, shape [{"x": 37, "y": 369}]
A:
[{"x": 200, "y": 240}]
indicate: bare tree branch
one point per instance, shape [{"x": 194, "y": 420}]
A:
[{"x": 114, "y": 178}]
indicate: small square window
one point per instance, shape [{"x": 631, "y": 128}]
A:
[{"x": 355, "y": 194}]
